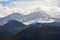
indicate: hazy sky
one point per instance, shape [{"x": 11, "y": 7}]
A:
[{"x": 9, "y": 6}]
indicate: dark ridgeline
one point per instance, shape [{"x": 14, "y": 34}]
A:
[
  {"x": 11, "y": 28},
  {"x": 53, "y": 24},
  {"x": 14, "y": 23},
  {"x": 36, "y": 31},
  {"x": 13, "y": 16}
]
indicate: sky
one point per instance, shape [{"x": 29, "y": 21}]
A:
[
  {"x": 5, "y": 2},
  {"x": 26, "y": 6}
]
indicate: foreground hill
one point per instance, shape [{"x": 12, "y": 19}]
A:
[
  {"x": 10, "y": 28},
  {"x": 34, "y": 33}
]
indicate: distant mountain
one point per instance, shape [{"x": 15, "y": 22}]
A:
[
  {"x": 35, "y": 16},
  {"x": 53, "y": 24},
  {"x": 12, "y": 27},
  {"x": 14, "y": 16},
  {"x": 41, "y": 26},
  {"x": 38, "y": 15},
  {"x": 14, "y": 23}
]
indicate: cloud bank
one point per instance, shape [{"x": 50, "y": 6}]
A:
[
  {"x": 25, "y": 7},
  {"x": 3, "y": 0}
]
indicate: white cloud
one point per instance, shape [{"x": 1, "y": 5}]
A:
[
  {"x": 4, "y": 10},
  {"x": 25, "y": 7},
  {"x": 6, "y": 0},
  {"x": 24, "y": 4},
  {"x": 3, "y": 0}
]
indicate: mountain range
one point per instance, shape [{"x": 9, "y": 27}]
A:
[
  {"x": 36, "y": 16},
  {"x": 36, "y": 33},
  {"x": 36, "y": 26},
  {"x": 15, "y": 30},
  {"x": 13, "y": 27}
]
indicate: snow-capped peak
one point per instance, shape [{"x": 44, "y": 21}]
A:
[
  {"x": 45, "y": 21},
  {"x": 38, "y": 21}
]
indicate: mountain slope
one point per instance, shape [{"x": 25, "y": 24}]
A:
[
  {"x": 12, "y": 27},
  {"x": 37, "y": 31},
  {"x": 53, "y": 24},
  {"x": 32, "y": 33},
  {"x": 35, "y": 16},
  {"x": 13, "y": 16}
]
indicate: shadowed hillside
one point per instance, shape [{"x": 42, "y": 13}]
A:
[
  {"x": 34, "y": 33},
  {"x": 39, "y": 34},
  {"x": 12, "y": 27}
]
